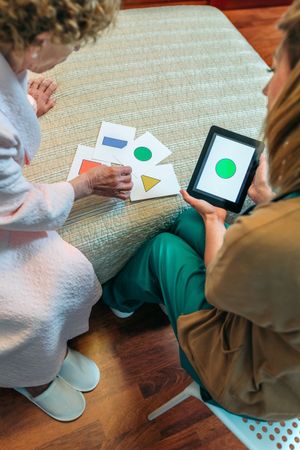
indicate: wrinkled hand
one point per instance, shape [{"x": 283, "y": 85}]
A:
[
  {"x": 205, "y": 209},
  {"x": 260, "y": 191},
  {"x": 42, "y": 90},
  {"x": 114, "y": 181},
  {"x": 102, "y": 180}
]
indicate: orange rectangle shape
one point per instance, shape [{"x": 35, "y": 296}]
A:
[{"x": 87, "y": 165}]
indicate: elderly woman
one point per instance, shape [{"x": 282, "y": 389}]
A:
[
  {"x": 47, "y": 286},
  {"x": 233, "y": 296}
]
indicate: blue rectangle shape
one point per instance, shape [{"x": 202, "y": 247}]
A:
[{"x": 112, "y": 142}]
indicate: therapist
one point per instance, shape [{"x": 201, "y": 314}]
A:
[
  {"x": 233, "y": 296},
  {"x": 47, "y": 286}
]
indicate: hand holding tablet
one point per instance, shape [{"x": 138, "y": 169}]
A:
[{"x": 225, "y": 169}]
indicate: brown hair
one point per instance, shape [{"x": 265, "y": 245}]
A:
[
  {"x": 290, "y": 25},
  {"x": 283, "y": 121},
  {"x": 68, "y": 21}
]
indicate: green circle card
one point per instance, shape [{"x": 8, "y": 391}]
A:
[{"x": 142, "y": 153}]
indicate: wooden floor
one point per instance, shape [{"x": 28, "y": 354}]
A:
[
  {"x": 139, "y": 364},
  {"x": 258, "y": 25}
]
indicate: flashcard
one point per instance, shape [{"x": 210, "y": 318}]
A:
[
  {"x": 115, "y": 140},
  {"x": 116, "y": 145},
  {"x": 157, "y": 181},
  {"x": 108, "y": 155},
  {"x": 83, "y": 161},
  {"x": 146, "y": 151}
]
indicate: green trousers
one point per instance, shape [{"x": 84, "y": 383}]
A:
[{"x": 168, "y": 269}]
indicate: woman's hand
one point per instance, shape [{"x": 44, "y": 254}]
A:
[
  {"x": 41, "y": 90},
  {"x": 214, "y": 219},
  {"x": 260, "y": 191},
  {"x": 205, "y": 209},
  {"x": 114, "y": 181}
]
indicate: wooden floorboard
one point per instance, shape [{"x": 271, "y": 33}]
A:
[
  {"x": 139, "y": 363},
  {"x": 258, "y": 26},
  {"x": 140, "y": 370}
]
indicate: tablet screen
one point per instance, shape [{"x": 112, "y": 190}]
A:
[{"x": 225, "y": 168}]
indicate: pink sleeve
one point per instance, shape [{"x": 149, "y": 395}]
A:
[{"x": 26, "y": 206}]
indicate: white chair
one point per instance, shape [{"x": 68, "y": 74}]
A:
[{"x": 254, "y": 434}]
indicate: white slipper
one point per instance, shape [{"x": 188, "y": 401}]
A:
[
  {"x": 125, "y": 315},
  {"x": 163, "y": 308},
  {"x": 60, "y": 401},
  {"x": 79, "y": 371},
  {"x": 121, "y": 314}
]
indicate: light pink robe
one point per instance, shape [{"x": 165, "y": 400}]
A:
[{"x": 47, "y": 287}]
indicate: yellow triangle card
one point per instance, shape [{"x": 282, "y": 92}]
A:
[
  {"x": 149, "y": 182},
  {"x": 157, "y": 181}
]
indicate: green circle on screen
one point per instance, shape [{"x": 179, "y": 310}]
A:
[
  {"x": 142, "y": 153},
  {"x": 225, "y": 168}
]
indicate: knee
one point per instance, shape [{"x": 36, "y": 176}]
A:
[
  {"x": 164, "y": 244},
  {"x": 186, "y": 220},
  {"x": 164, "y": 239},
  {"x": 190, "y": 215}
]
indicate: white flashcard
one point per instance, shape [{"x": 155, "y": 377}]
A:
[
  {"x": 108, "y": 155},
  {"x": 114, "y": 139},
  {"x": 83, "y": 161},
  {"x": 157, "y": 181},
  {"x": 146, "y": 151}
]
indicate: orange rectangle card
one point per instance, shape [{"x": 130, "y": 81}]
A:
[{"x": 87, "y": 165}]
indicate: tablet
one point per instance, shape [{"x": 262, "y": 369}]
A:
[{"x": 225, "y": 169}]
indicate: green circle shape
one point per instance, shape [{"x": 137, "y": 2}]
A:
[
  {"x": 142, "y": 153},
  {"x": 225, "y": 168}
]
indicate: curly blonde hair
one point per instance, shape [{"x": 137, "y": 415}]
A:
[
  {"x": 68, "y": 21},
  {"x": 283, "y": 121}
]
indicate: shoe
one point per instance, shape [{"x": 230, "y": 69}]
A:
[
  {"x": 124, "y": 315},
  {"x": 163, "y": 308},
  {"x": 60, "y": 401},
  {"x": 79, "y": 371},
  {"x": 121, "y": 314}
]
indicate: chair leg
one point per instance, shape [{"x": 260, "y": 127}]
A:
[{"x": 191, "y": 390}]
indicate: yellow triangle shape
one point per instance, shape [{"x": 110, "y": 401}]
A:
[{"x": 149, "y": 182}]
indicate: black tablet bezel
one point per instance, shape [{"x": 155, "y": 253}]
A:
[{"x": 213, "y": 199}]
